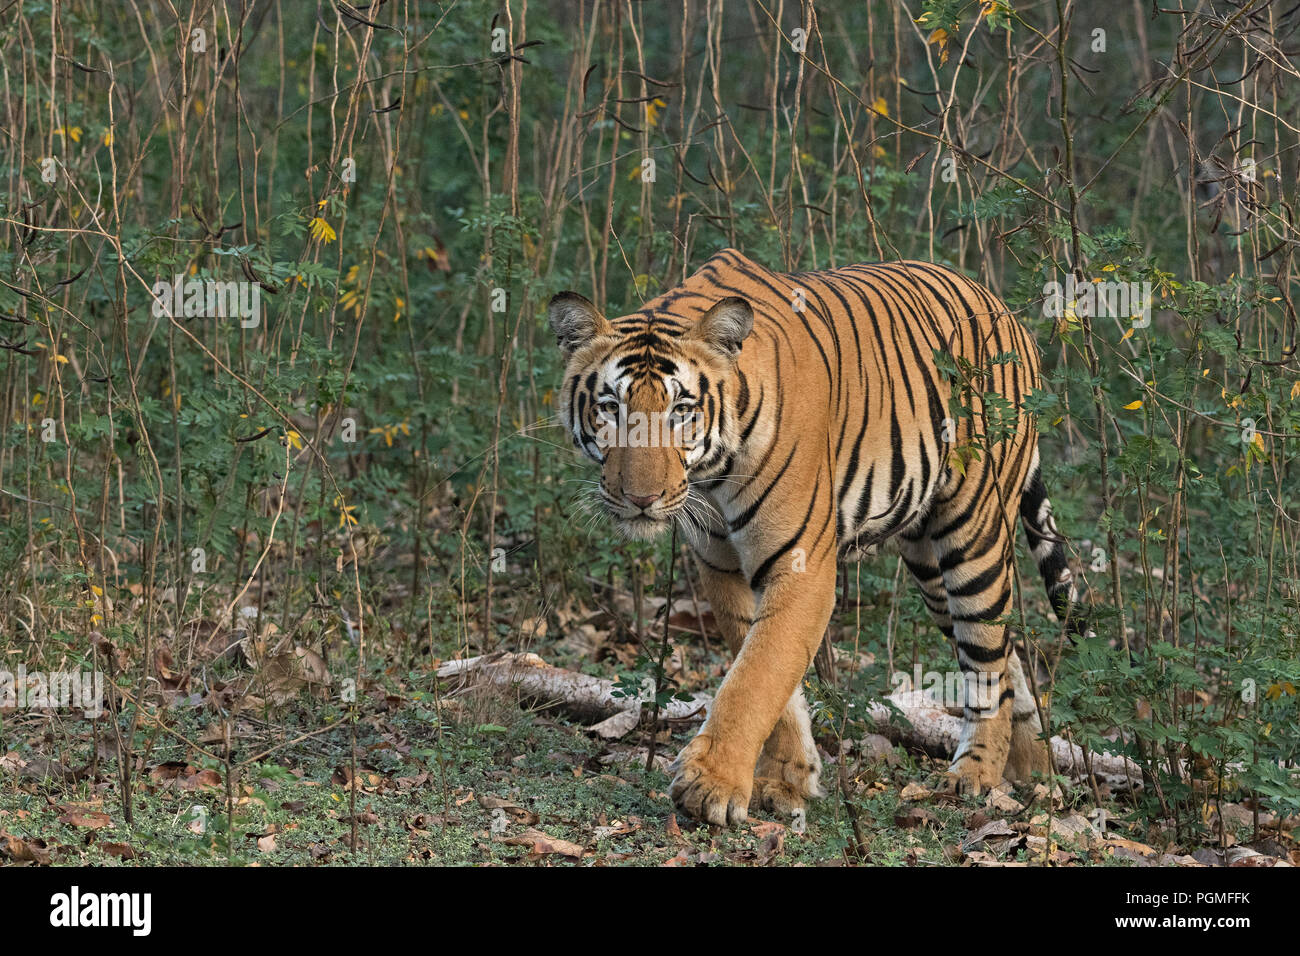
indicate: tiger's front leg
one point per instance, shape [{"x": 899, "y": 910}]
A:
[
  {"x": 715, "y": 771},
  {"x": 789, "y": 768}
]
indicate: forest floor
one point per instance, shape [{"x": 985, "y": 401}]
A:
[
  {"x": 536, "y": 791},
  {"x": 497, "y": 783}
]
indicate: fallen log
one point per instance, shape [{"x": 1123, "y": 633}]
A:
[
  {"x": 930, "y": 728},
  {"x": 914, "y": 720},
  {"x": 612, "y": 710}
]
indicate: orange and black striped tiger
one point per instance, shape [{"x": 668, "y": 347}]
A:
[{"x": 784, "y": 419}]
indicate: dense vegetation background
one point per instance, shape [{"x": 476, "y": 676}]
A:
[{"x": 266, "y": 536}]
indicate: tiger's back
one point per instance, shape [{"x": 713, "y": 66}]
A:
[{"x": 848, "y": 355}]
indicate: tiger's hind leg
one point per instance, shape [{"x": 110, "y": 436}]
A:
[
  {"x": 789, "y": 768},
  {"x": 918, "y": 555},
  {"x": 973, "y": 553},
  {"x": 1027, "y": 753}
]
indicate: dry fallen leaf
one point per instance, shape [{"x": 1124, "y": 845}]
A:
[
  {"x": 543, "y": 844},
  {"x": 1071, "y": 827},
  {"x": 989, "y": 831},
  {"x": 772, "y": 844},
  {"x": 24, "y": 851},
  {"x": 1113, "y": 843},
  {"x": 980, "y": 858},
  {"x": 617, "y": 828},
  {"x": 915, "y": 791},
  {"x": 1003, "y": 802},
  {"x": 516, "y": 813},
  {"x": 200, "y": 780},
  {"x": 1245, "y": 856},
  {"x": 1122, "y": 849},
  {"x": 90, "y": 819},
  {"x": 913, "y": 817}
]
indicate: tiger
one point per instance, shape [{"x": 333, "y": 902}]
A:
[{"x": 809, "y": 418}]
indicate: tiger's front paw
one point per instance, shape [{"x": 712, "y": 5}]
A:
[{"x": 706, "y": 788}]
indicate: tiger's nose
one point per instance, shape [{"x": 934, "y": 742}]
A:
[{"x": 643, "y": 501}]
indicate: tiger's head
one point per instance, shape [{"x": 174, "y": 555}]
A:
[{"x": 648, "y": 403}]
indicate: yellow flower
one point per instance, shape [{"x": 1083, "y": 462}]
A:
[
  {"x": 320, "y": 229},
  {"x": 652, "y": 111},
  {"x": 390, "y": 431},
  {"x": 1276, "y": 690},
  {"x": 940, "y": 39},
  {"x": 346, "y": 518},
  {"x": 351, "y": 302}
]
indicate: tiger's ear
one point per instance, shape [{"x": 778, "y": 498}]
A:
[
  {"x": 575, "y": 321},
  {"x": 725, "y": 326}
]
